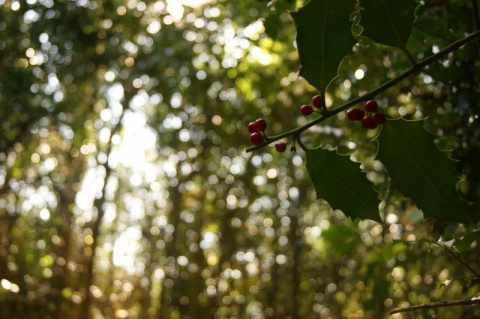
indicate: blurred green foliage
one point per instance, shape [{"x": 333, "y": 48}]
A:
[{"x": 125, "y": 191}]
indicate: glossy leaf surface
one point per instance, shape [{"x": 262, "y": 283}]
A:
[
  {"x": 388, "y": 22},
  {"x": 420, "y": 171},
  {"x": 324, "y": 38},
  {"x": 342, "y": 184}
]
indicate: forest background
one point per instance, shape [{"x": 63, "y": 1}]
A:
[{"x": 126, "y": 187}]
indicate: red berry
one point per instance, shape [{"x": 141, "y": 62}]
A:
[
  {"x": 317, "y": 101},
  {"x": 371, "y": 106},
  {"x": 256, "y": 138},
  {"x": 261, "y": 125},
  {"x": 306, "y": 109},
  {"x": 368, "y": 122},
  {"x": 280, "y": 147},
  {"x": 379, "y": 118},
  {"x": 355, "y": 114},
  {"x": 251, "y": 127}
]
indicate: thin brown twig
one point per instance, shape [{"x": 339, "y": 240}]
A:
[
  {"x": 473, "y": 271},
  {"x": 452, "y": 253},
  {"x": 438, "y": 304},
  {"x": 416, "y": 68}
]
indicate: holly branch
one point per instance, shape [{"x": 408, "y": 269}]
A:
[{"x": 326, "y": 114}]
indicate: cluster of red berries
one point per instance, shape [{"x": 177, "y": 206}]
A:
[
  {"x": 258, "y": 127},
  {"x": 368, "y": 115},
  {"x": 307, "y": 109},
  {"x": 257, "y": 130},
  {"x": 257, "y": 136}
]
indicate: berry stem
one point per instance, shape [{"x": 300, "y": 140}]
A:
[
  {"x": 330, "y": 113},
  {"x": 299, "y": 141}
]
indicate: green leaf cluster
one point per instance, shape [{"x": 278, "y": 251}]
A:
[{"x": 415, "y": 166}]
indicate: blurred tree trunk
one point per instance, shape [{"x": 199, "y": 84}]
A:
[
  {"x": 64, "y": 245},
  {"x": 169, "y": 296},
  {"x": 198, "y": 258},
  {"x": 295, "y": 239},
  {"x": 98, "y": 206}
]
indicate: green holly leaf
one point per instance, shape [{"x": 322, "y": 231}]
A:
[
  {"x": 342, "y": 184},
  {"x": 324, "y": 38},
  {"x": 388, "y": 22},
  {"x": 463, "y": 243},
  {"x": 420, "y": 171}
]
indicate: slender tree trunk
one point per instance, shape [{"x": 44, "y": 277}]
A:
[
  {"x": 99, "y": 207},
  {"x": 296, "y": 242},
  {"x": 168, "y": 295},
  {"x": 63, "y": 249},
  {"x": 195, "y": 310}
]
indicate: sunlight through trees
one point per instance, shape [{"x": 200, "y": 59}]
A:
[{"x": 126, "y": 191}]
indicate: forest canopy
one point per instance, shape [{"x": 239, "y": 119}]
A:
[{"x": 130, "y": 188}]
